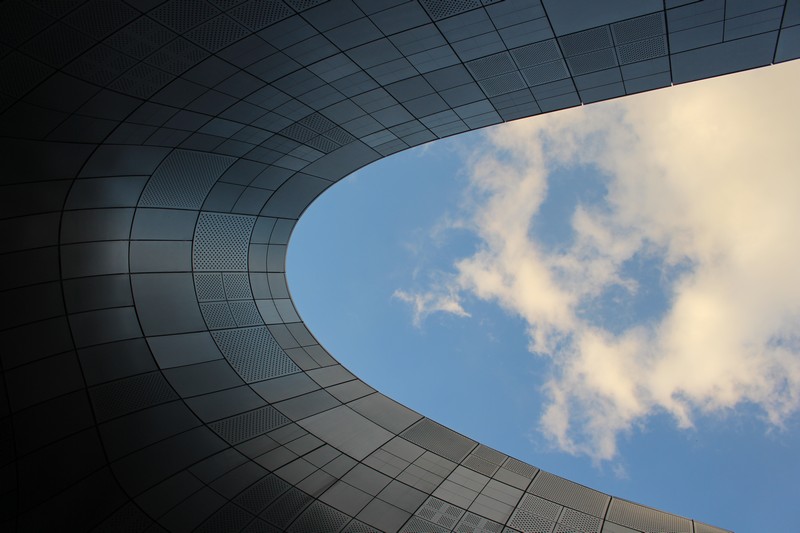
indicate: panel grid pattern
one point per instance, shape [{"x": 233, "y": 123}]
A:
[
  {"x": 254, "y": 353},
  {"x": 439, "y": 439}
]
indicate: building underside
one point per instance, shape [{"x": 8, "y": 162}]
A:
[{"x": 156, "y": 156}]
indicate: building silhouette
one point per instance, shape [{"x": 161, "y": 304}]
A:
[{"x": 156, "y": 156}]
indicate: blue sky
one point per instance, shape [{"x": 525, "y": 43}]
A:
[{"x": 608, "y": 293}]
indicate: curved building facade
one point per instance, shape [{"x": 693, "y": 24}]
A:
[{"x": 156, "y": 156}]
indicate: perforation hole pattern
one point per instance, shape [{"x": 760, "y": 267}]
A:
[
  {"x": 360, "y": 527},
  {"x": 260, "y": 494},
  {"x": 540, "y": 507},
  {"x": 592, "y": 62},
  {"x": 545, "y": 73},
  {"x": 245, "y": 313},
  {"x": 209, "y": 286},
  {"x": 480, "y": 465},
  {"x": 230, "y": 518},
  {"x": 245, "y": 426},
  {"x": 220, "y": 241},
  {"x": 503, "y": 84},
  {"x": 184, "y": 179},
  {"x": 285, "y": 508},
  {"x": 418, "y": 525},
  {"x": 638, "y": 28},
  {"x": 217, "y": 315},
  {"x": 254, "y": 353},
  {"x": 586, "y": 41},
  {"x": 572, "y": 520},
  {"x": 489, "y": 66},
  {"x": 440, "y": 512},
  {"x": 642, "y": 50},
  {"x": 472, "y": 523},
  {"x": 439, "y": 9},
  {"x": 530, "y": 523},
  {"x": 258, "y": 14},
  {"x": 237, "y": 286},
  {"x": 319, "y": 517},
  {"x": 518, "y": 467},
  {"x": 644, "y": 518}
]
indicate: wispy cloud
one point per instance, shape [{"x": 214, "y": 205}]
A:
[
  {"x": 425, "y": 303},
  {"x": 704, "y": 174}
]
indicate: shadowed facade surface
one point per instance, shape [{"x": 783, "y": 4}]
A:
[{"x": 155, "y": 158}]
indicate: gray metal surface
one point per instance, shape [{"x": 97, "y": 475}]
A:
[{"x": 156, "y": 156}]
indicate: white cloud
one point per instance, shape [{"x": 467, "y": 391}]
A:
[
  {"x": 704, "y": 173},
  {"x": 425, "y": 303}
]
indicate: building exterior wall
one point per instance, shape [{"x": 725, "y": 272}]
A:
[{"x": 156, "y": 156}]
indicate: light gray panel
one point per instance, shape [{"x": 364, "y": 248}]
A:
[
  {"x": 184, "y": 179},
  {"x": 166, "y": 303},
  {"x": 164, "y": 224},
  {"x": 185, "y": 349},
  {"x": 161, "y": 256}
]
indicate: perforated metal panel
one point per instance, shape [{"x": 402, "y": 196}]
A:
[
  {"x": 638, "y": 28},
  {"x": 545, "y": 73},
  {"x": 536, "y": 53},
  {"x": 246, "y": 313},
  {"x": 644, "y": 518},
  {"x": 570, "y": 494},
  {"x": 247, "y": 425},
  {"x": 301, "y": 5},
  {"x": 180, "y": 15},
  {"x": 418, "y": 525},
  {"x": 359, "y": 527},
  {"x": 489, "y": 66},
  {"x": 480, "y": 465},
  {"x": 503, "y": 84},
  {"x": 286, "y": 508},
  {"x": 539, "y": 507},
  {"x": 592, "y": 62},
  {"x": 319, "y": 517},
  {"x": 217, "y": 33},
  {"x": 220, "y": 241},
  {"x": 262, "y": 493},
  {"x": 530, "y": 523},
  {"x": 642, "y": 50},
  {"x": 518, "y": 467},
  {"x": 217, "y": 315},
  {"x": 441, "y": 513},
  {"x": 572, "y": 520},
  {"x": 209, "y": 286},
  {"x": 229, "y": 518},
  {"x": 439, "y": 9},
  {"x": 586, "y": 41},
  {"x": 237, "y": 286},
  {"x": 258, "y": 14},
  {"x": 254, "y": 353},
  {"x": 184, "y": 179},
  {"x": 472, "y": 523},
  {"x": 439, "y": 439}
]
